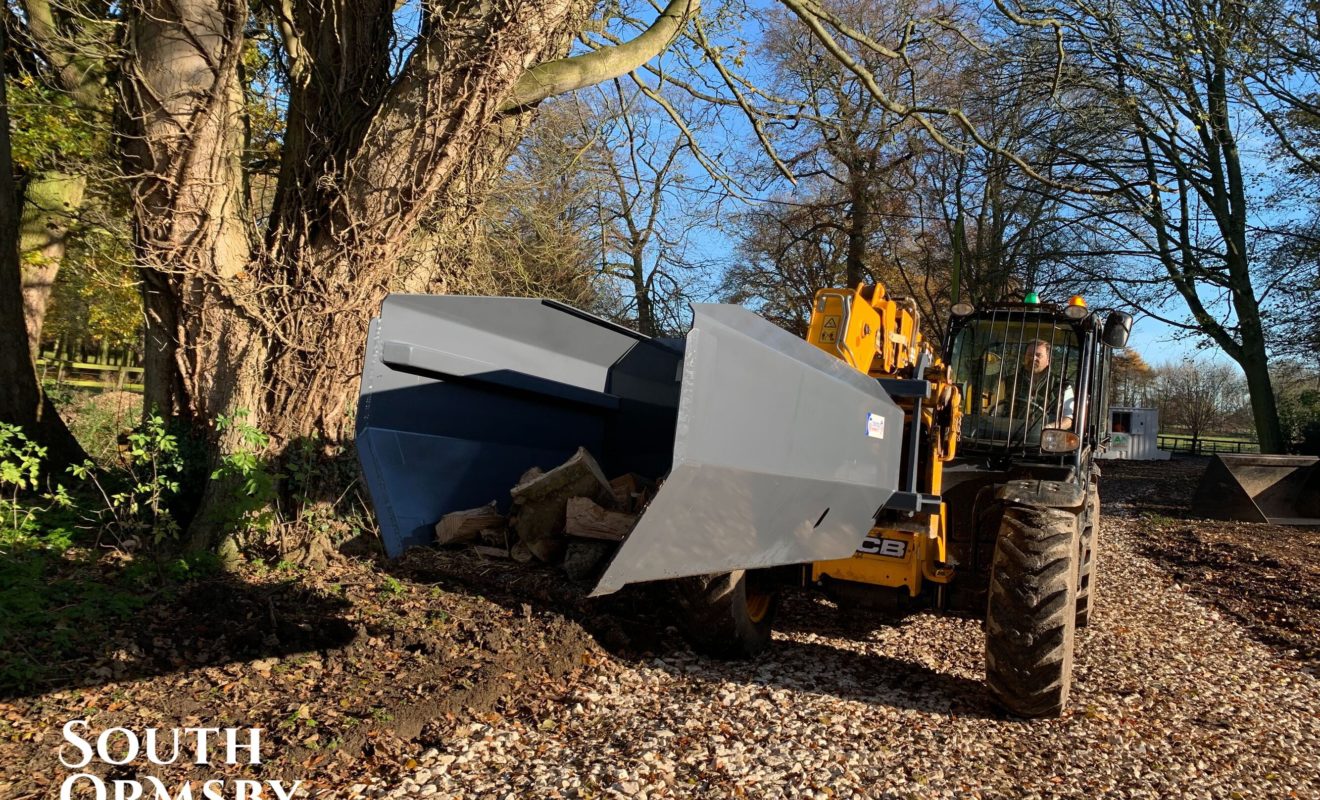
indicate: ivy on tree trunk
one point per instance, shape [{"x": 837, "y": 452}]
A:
[{"x": 273, "y": 320}]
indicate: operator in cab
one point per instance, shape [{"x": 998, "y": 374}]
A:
[{"x": 1037, "y": 390}]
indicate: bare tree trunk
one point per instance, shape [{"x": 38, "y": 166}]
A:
[
  {"x": 53, "y": 199},
  {"x": 22, "y": 402},
  {"x": 437, "y": 140},
  {"x": 278, "y": 330},
  {"x": 859, "y": 224},
  {"x": 50, "y": 204},
  {"x": 192, "y": 239},
  {"x": 275, "y": 323},
  {"x": 205, "y": 341},
  {"x": 1264, "y": 408},
  {"x": 642, "y": 291}
]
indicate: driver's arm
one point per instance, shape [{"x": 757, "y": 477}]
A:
[{"x": 1065, "y": 410}]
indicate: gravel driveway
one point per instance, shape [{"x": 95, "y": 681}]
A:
[{"x": 1170, "y": 700}]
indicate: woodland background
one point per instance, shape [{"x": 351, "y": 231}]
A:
[{"x": 222, "y": 192}]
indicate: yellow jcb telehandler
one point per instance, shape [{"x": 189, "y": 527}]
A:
[{"x": 859, "y": 461}]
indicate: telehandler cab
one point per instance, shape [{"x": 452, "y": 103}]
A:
[{"x": 859, "y": 460}]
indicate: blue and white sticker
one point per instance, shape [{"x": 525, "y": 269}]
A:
[{"x": 875, "y": 426}]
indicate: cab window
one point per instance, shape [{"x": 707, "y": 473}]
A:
[{"x": 1018, "y": 378}]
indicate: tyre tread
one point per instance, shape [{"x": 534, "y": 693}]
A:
[
  {"x": 1031, "y": 613},
  {"x": 715, "y": 618}
]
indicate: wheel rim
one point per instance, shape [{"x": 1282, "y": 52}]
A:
[{"x": 758, "y": 605}]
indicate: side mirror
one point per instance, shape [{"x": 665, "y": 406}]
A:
[{"x": 1117, "y": 327}]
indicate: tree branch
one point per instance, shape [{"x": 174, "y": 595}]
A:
[
  {"x": 752, "y": 117},
  {"x": 806, "y": 12},
  {"x": 82, "y": 78},
  {"x": 588, "y": 69}
]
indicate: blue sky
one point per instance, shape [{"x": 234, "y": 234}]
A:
[{"x": 1156, "y": 341}]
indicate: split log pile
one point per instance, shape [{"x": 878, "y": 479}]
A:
[{"x": 571, "y": 516}]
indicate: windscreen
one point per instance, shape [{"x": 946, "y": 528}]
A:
[{"x": 1018, "y": 373}]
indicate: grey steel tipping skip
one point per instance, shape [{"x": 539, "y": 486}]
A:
[{"x": 761, "y": 438}]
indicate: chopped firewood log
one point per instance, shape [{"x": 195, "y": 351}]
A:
[
  {"x": 463, "y": 526},
  {"x": 541, "y": 503},
  {"x": 530, "y": 475},
  {"x": 579, "y": 476},
  {"x": 588, "y": 520},
  {"x": 627, "y": 489}
]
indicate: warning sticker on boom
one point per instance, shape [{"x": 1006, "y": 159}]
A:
[
  {"x": 875, "y": 426},
  {"x": 829, "y": 330}
]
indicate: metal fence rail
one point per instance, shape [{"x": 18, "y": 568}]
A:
[
  {"x": 90, "y": 375},
  {"x": 1204, "y": 446}
]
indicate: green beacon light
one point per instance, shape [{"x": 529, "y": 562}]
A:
[{"x": 1031, "y": 299}]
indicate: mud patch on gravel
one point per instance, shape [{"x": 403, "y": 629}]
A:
[
  {"x": 346, "y": 670},
  {"x": 1150, "y": 487},
  {"x": 635, "y": 622},
  {"x": 1264, "y": 577}
]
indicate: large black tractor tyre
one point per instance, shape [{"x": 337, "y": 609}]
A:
[
  {"x": 1088, "y": 560},
  {"x": 726, "y": 615},
  {"x": 1031, "y": 613}
]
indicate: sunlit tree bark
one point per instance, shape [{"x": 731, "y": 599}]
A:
[
  {"x": 22, "y": 401},
  {"x": 273, "y": 320}
]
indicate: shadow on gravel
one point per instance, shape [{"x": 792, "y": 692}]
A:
[
  {"x": 96, "y": 622},
  {"x": 346, "y": 669},
  {"x": 636, "y": 625},
  {"x": 875, "y": 679}
]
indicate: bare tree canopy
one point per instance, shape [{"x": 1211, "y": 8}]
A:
[
  {"x": 1170, "y": 123},
  {"x": 1198, "y": 398},
  {"x": 288, "y": 162}
]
